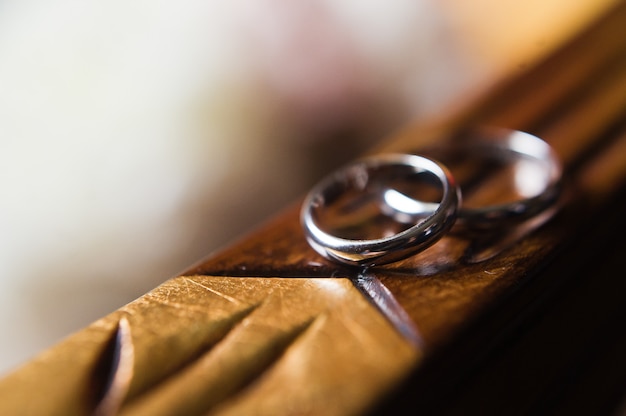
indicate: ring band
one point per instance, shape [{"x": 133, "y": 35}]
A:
[
  {"x": 503, "y": 144},
  {"x": 368, "y": 252}
]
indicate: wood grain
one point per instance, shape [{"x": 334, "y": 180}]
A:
[
  {"x": 267, "y": 326},
  {"x": 227, "y": 345}
]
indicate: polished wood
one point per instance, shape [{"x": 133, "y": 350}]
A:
[{"x": 267, "y": 326}]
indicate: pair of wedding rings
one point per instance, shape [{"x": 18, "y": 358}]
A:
[{"x": 411, "y": 200}]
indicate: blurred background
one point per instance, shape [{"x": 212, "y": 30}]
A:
[{"x": 138, "y": 137}]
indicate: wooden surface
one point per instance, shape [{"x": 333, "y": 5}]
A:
[{"x": 521, "y": 321}]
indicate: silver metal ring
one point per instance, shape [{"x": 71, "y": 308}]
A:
[
  {"x": 437, "y": 218},
  {"x": 541, "y": 175}
]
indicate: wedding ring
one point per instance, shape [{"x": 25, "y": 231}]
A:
[
  {"x": 536, "y": 176},
  {"x": 368, "y": 183}
]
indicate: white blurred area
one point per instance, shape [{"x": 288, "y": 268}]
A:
[{"x": 137, "y": 137}]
